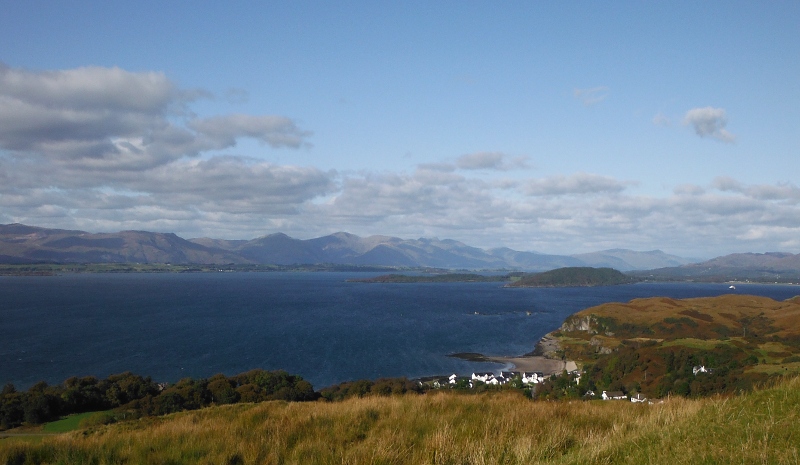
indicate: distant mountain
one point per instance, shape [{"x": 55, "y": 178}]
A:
[
  {"x": 765, "y": 267},
  {"x": 627, "y": 260},
  {"x": 28, "y": 244},
  {"x": 532, "y": 261}
]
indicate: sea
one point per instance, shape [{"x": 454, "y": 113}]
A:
[{"x": 314, "y": 324}]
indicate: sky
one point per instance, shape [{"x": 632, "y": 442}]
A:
[{"x": 554, "y": 127}]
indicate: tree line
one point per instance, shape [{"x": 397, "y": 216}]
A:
[{"x": 131, "y": 395}]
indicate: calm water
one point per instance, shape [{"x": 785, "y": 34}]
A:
[{"x": 317, "y": 325}]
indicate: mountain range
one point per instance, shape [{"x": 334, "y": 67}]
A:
[
  {"x": 762, "y": 267},
  {"x": 22, "y": 244}
]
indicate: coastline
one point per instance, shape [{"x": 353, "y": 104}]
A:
[
  {"x": 536, "y": 363},
  {"x": 543, "y": 359}
]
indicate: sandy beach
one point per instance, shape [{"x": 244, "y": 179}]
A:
[{"x": 535, "y": 363}]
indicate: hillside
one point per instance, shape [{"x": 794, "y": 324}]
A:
[
  {"x": 760, "y": 267},
  {"x": 653, "y": 345},
  {"x": 444, "y": 428},
  {"x": 20, "y": 244},
  {"x": 573, "y": 277}
]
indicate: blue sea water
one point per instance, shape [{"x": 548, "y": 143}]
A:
[{"x": 317, "y": 325}]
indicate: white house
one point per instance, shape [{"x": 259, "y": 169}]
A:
[
  {"x": 532, "y": 378},
  {"x": 700, "y": 369},
  {"x": 638, "y": 398},
  {"x": 614, "y": 395}
]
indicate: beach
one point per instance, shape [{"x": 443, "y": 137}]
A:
[{"x": 535, "y": 363}]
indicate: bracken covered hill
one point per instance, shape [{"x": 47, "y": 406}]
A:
[
  {"x": 655, "y": 345},
  {"x": 706, "y": 317}
]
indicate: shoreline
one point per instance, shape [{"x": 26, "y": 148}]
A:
[
  {"x": 536, "y": 363},
  {"x": 543, "y": 359},
  {"x": 523, "y": 363}
]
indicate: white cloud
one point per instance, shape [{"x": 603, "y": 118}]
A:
[
  {"x": 781, "y": 191},
  {"x": 277, "y": 131},
  {"x": 490, "y": 161},
  {"x": 591, "y": 96},
  {"x": 110, "y": 119},
  {"x": 580, "y": 183},
  {"x": 709, "y": 122}
]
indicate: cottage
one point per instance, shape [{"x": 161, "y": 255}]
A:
[
  {"x": 508, "y": 375},
  {"x": 638, "y": 397},
  {"x": 700, "y": 369},
  {"x": 532, "y": 378},
  {"x": 614, "y": 395},
  {"x": 482, "y": 377}
]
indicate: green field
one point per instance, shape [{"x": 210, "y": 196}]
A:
[
  {"x": 705, "y": 344},
  {"x": 70, "y": 423}
]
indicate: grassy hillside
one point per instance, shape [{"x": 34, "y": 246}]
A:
[
  {"x": 652, "y": 345},
  {"x": 446, "y": 428}
]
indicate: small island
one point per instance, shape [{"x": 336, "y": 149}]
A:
[{"x": 574, "y": 277}]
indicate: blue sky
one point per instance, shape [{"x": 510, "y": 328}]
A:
[{"x": 552, "y": 127}]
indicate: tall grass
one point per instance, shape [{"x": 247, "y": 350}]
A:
[{"x": 446, "y": 428}]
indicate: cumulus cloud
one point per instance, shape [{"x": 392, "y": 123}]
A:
[
  {"x": 99, "y": 146},
  {"x": 276, "y": 131},
  {"x": 111, "y": 119},
  {"x": 580, "y": 183},
  {"x": 781, "y": 191},
  {"x": 709, "y": 122},
  {"x": 490, "y": 161},
  {"x": 591, "y": 96}
]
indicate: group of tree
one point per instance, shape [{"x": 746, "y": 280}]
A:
[
  {"x": 364, "y": 387},
  {"x": 658, "y": 372},
  {"x": 132, "y": 395}
]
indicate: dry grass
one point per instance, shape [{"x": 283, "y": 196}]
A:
[
  {"x": 723, "y": 310},
  {"x": 447, "y": 428}
]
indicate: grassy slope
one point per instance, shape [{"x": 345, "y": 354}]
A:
[
  {"x": 70, "y": 423},
  {"x": 445, "y": 428},
  {"x": 767, "y": 328}
]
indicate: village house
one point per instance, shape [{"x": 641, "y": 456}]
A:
[
  {"x": 490, "y": 378},
  {"x": 614, "y": 395},
  {"x": 532, "y": 378},
  {"x": 638, "y": 397},
  {"x": 700, "y": 369}
]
